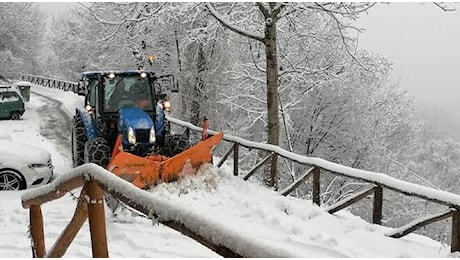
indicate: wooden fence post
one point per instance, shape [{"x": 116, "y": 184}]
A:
[
  {"x": 273, "y": 170},
  {"x": 316, "y": 186},
  {"x": 71, "y": 230},
  {"x": 378, "y": 201},
  {"x": 36, "y": 232},
  {"x": 455, "y": 241},
  {"x": 96, "y": 217},
  {"x": 235, "y": 159}
]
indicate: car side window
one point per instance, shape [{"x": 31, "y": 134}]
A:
[{"x": 9, "y": 97}]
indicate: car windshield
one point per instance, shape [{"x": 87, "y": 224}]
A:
[{"x": 127, "y": 91}]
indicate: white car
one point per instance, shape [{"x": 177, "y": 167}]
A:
[{"x": 23, "y": 166}]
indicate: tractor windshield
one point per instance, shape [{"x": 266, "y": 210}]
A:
[{"x": 127, "y": 91}]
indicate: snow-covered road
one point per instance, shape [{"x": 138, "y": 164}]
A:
[{"x": 268, "y": 224}]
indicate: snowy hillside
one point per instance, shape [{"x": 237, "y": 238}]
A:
[{"x": 265, "y": 223}]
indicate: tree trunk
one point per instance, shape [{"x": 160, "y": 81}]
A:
[
  {"x": 197, "y": 95},
  {"x": 272, "y": 89}
]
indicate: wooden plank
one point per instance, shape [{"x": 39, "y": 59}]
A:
[
  {"x": 60, "y": 191},
  {"x": 296, "y": 183},
  {"x": 316, "y": 186},
  {"x": 418, "y": 223},
  {"x": 455, "y": 239},
  {"x": 36, "y": 231},
  {"x": 350, "y": 200},
  {"x": 221, "y": 162},
  {"x": 68, "y": 235},
  {"x": 96, "y": 217},
  {"x": 273, "y": 170},
  {"x": 258, "y": 165},
  {"x": 378, "y": 205},
  {"x": 235, "y": 159}
]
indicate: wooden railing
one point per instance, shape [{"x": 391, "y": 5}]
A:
[
  {"x": 377, "y": 183},
  {"x": 95, "y": 180}
]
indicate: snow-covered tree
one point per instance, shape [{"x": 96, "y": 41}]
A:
[{"x": 21, "y": 37}]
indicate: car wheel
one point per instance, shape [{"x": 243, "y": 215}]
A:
[
  {"x": 11, "y": 180},
  {"x": 15, "y": 115},
  {"x": 97, "y": 151},
  {"x": 78, "y": 141}
]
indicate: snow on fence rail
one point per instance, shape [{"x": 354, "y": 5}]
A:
[{"x": 377, "y": 181}]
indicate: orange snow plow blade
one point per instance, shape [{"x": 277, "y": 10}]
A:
[{"x": 148, "y": 171}]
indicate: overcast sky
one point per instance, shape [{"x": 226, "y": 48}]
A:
[{"x": 423, "y": 42}]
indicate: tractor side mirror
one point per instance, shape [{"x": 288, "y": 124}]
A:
[{"x": 175, "y": 86}]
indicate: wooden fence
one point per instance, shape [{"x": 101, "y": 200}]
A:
[{"x": 377, "y": 183}]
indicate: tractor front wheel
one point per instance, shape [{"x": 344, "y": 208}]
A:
[
  {"x": 97, "y": 151},
  {"x": 78, "y": 141}
]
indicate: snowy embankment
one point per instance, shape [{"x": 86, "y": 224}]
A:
[{"x": 252, "y": 219}]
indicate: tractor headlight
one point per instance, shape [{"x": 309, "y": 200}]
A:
[
  {"x": 131, "y": 136},
  {"x": 152, "y": 135},
  {"x": 166, "y": 104},
  {"x": 89, "y": 109}
]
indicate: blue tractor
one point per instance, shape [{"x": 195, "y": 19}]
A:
[
  {"x": 123, "y": 128},
  {"x": 129, "y": 103}
]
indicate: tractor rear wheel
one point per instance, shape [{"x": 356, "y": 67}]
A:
[
  {"x": 78, "y": 141},
  {"x": 97, "y": 151}
]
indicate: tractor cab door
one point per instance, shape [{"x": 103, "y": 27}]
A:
[{"x": 91, "y": 101}]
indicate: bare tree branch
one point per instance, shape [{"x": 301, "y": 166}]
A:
[
  {"x": 232, "y": 27},
  {"x": 443, "y": 6},
  {"x": 340, "y": 27},
  {"x": 263, "y": 10}
]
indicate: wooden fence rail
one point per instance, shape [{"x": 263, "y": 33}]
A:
[{"x": 379, "y": 181}]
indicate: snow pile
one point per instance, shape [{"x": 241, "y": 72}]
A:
[{"x": 261, "y": 223}]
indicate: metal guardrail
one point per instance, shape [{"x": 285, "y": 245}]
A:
[{"x": 55, "y": 83}]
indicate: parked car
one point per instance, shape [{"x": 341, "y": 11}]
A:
[
  {"x": 11, "y": 102},
  {"x": 24, "y": 166}
]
